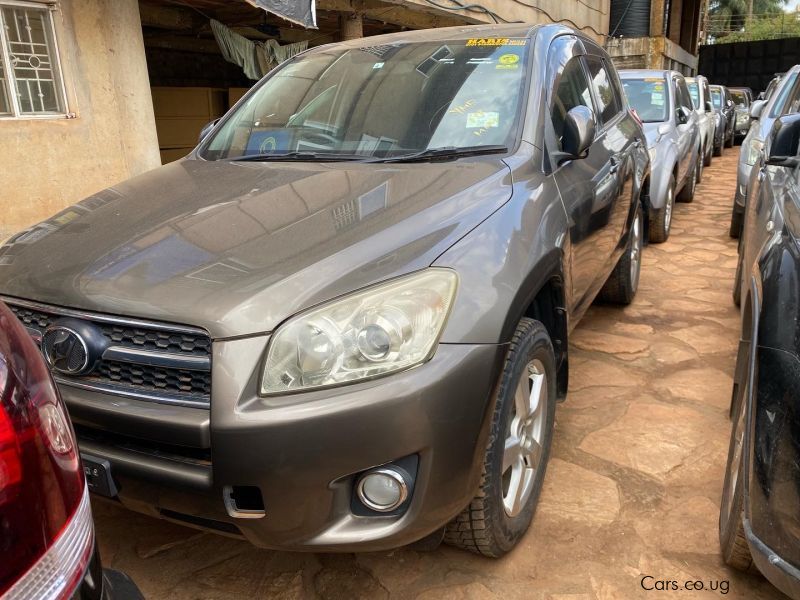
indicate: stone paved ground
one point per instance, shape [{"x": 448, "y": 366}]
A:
[{"x": 632, "y": 490}]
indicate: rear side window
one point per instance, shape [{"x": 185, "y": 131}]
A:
[
  {"x": 608, "y": 102},
  {"x": 571, "y": 90}
]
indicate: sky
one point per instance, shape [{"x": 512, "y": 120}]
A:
[{"x": 792, "y": 4}]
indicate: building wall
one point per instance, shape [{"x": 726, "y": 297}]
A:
[{"x": 48, "y": 164}]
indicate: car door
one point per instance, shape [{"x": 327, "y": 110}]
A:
[
  {"x": 684, "y": 131},
  {"x": 618, "y": 133},
  {"x": 585, "y": 185}
]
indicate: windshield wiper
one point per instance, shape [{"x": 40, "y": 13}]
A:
[
  {"x": 445, "y": 152},
  {"x": 298, "y": 156}
]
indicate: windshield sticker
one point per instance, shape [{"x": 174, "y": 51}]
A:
[
  {"x": 497, "y": 42},
  {"x": 461, "y": 109},
  {"x": 508, "y": 61},
  {"x": 657, "y": 99},
  {"x": 483, "y": 120}
]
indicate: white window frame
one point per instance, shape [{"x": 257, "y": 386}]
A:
[{"x": 58, "y": 72}]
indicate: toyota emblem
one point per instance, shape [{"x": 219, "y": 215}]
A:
[{"x": 65, "y": 351}]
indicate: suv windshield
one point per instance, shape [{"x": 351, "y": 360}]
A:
[
  {"x": 694, "y": 92},
  {"x": 648, "y": 97},
  {"x": 739, "y": 98},
  {"x": 381, "y": 101}
]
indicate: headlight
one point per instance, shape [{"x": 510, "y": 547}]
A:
[
  {"x": 753, "y": 151},
  {"x": 652, "y": 153},
  {"x": 380, "y": 330}
]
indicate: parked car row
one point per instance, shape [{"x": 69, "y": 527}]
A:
[
  {"x": 758, "y": 522},
  {"x": 341, "y": 322}
]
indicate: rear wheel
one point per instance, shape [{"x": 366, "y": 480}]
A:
[
  {"x": 737, "y": 220},
  {"x": 518, "y": 448},
  {"x": 661, "y": 219},
  {"x": 690, "y": 188},
  {"x": 732, "y": 541},
  {"x": 621, "y": 286},
  {"x": 718, "y": 148}
]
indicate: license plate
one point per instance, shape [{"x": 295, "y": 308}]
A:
[{"x": 98, "y": 475}]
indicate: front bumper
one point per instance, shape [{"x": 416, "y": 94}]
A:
[
  {"x": 778, "y": 571},
  {"x": 304, "y": 452}
]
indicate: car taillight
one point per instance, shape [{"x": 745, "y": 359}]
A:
[{"x": 46, "y": 532}]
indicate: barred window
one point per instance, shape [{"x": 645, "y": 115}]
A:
[{"x": 30, "y": 74}]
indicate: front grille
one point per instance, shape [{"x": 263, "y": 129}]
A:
[
  {"x": 158, "y": 341},
  {"x": 154, "y": 378},
  {"x": 169, "y": 380}
]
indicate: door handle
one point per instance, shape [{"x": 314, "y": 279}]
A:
[
  {"x": 614, "y": 165},
  {"x": 762, "y": 173},
  {"x": 637, "y": 143}
]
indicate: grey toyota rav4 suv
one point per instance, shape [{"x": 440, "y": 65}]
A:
[{"x": 341, "y": 323}]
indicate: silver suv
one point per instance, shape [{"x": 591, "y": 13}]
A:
[
  {"x": 701, "y": 99},
  {"x": 662, "y": 101},
  {"x": 342, "y": 322}
]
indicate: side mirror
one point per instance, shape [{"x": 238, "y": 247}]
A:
[
  {"x": 207, "y": 129},
  {"x": 681, "y": 115},
  {"x": 756, "y": 109},
  {"x": 579, "y": 130},
  {"x": 784, "y": 142}
]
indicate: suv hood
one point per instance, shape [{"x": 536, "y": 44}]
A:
[{"x": 236, "y": 248}]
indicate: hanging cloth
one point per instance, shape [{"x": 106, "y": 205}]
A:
[
  {"x": 256, "y": 58},
  {"x": 237, "y": 49}
]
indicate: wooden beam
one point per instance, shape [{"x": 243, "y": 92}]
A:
[
  {"x": 182, "y": 43},
  {"x": 164, "y": 17}
]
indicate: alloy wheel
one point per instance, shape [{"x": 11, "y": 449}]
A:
[
  {"x": 636, "y": 251},
  {"x": 670, "y": 201},
  {"x": 522, "y": 455}
]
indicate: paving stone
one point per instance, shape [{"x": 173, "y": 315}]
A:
[
  {"x": 650, "y": 437},
  {"x": 596, "y": 505}
]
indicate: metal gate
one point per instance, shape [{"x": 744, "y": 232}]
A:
[{"x": 750, "y": 64}]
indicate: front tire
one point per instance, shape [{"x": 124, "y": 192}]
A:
[
  {"x": 621, "y": 286},
  {"x": 729, "y": 141},
  {"x": 517, "y": 450},
  {"x": 718, "y": 148},
  {"x": 661, "y": 219},
  {"x": 732, "y": 541},
  {"x": 708, "y": 155}
]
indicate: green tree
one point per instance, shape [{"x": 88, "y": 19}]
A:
[
  {"x": 727, "y": 16},
  {"x": 766, "y": 28}
]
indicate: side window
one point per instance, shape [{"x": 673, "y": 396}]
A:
[
  {"x": 608, "y": 103},
  {"x": 570, "y": 89},
  {"x": 706, "y": 94}
]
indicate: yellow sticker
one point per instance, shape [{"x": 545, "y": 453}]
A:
[
  {"x": 652, "y": 79},
  {"x": 497, "y": 42},
  {"x": 508, "y": 59},
  {"x": 461, "y": 109}
]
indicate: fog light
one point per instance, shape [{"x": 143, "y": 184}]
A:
[{"x": 382, "y": 490}]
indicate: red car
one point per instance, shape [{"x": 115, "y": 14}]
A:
[{"x": 47, "y": 541}]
